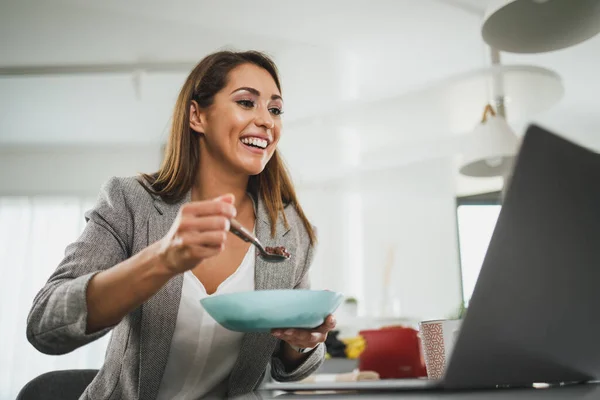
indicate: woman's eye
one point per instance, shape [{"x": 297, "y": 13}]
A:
[
  {"x": 276, "y": 111},
  {"x": 246, "y": 103}
]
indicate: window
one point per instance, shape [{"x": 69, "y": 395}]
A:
[
  {"x": 476, "y": 218},
  {"x": 34, "y": 232}
]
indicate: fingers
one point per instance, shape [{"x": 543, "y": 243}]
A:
[
  {"x": 203, "y": 224},
  {"x": 227, "y": 198},
  {"x": 300, "y": 337},
  {"x": 198, "y": 233},
  {"x": 210, "y": 215},
  {"x": 306, "y": 337},
  {"x": 220, "y": 206},
  {"x": 328, "y": 325},
  {"x": 203, "y": 239}
]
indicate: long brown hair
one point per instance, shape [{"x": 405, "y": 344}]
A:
[{"x": 178, "y": 170}]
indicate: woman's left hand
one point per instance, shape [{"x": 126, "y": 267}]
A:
[{"x": 306, "y": 338}]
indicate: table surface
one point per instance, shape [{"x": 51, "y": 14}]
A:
[{"x": 582, "y": 391}]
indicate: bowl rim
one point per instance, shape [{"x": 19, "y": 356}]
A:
[{"x": 246, "y": 292}]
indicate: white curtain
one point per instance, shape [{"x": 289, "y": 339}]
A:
[{"x": 34, "y": 232}]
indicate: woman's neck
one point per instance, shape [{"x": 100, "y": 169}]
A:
[{"x": 213, "y": 181}]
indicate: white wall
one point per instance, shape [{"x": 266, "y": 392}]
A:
[
  {"x": 72, "y": 170},
  {"x": 408, "y": 220}
]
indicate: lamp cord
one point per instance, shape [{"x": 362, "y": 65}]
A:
[{"x": 486, "y": 111}]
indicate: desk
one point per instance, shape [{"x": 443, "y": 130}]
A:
[{"x": 584, "y": 391}]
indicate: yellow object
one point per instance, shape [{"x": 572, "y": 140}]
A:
[{"x": 354, "y": 346}]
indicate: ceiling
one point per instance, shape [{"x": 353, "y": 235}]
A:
[{"x": 366, "y": 59}]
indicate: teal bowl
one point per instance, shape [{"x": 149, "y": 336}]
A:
[{"x": 263, "y": 310}]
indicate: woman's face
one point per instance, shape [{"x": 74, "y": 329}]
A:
[{"x": 243, "y": 125}]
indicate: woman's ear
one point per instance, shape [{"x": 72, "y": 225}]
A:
[{"x": 197, "y": 118}]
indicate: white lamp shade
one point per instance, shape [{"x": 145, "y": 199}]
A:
[
  {"x": 537, "y": 26},
  {"x": 490, "y": 149}
]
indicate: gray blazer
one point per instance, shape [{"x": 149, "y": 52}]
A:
[{"x": 125, "y": 220}]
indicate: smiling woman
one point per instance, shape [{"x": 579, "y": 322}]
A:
[
  {"x": 226, "y": 84},
  {"x": 155, "y": 245}
]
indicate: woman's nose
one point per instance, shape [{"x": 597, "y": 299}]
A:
[{"x": 265, "y": 119}]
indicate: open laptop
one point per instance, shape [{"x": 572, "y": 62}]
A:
[{"x": 535, "y": 312}]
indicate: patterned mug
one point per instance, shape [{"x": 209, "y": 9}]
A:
[{"x": 437, "y": 341}]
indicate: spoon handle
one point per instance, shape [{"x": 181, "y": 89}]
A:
[{"x": 238, "y": 229}]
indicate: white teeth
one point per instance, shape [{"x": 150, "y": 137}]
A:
[{"x": 262, "y": 143}]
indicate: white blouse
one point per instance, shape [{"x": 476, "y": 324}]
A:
[{"x": 203, "y": 353}]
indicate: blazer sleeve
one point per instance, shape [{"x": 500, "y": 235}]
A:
[
  {"x": 316, "y": 357},
  {"x": 58, "y": 318}
]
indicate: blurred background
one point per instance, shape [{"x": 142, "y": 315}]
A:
[{"x": 382, "y": 100}]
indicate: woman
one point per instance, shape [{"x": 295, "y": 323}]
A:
[{"x": 154, "y": 245}]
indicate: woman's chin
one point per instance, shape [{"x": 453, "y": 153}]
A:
[
  {"x": 251, "y": 169},
  {"x": 252, "y": 165}
]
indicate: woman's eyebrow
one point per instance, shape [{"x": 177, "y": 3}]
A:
[{"x": 256, "y": 92}]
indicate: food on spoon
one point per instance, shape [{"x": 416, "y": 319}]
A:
[{"x": 279, "y": 250}]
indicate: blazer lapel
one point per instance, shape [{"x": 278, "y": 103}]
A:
[
  {"x": 159, "y": 313},
  {"x": 272, "y": 275},
  {"x": 257, "y": 348}
]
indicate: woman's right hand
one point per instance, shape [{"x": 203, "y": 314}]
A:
[{"x": 199, "y": 232}]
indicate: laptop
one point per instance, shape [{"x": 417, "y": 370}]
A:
[{"x": 535, "y": 311}]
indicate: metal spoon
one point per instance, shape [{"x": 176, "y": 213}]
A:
[{"x": 237, "y": 229}]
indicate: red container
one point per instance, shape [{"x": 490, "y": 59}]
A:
[{"x": 393, "y": 352}]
